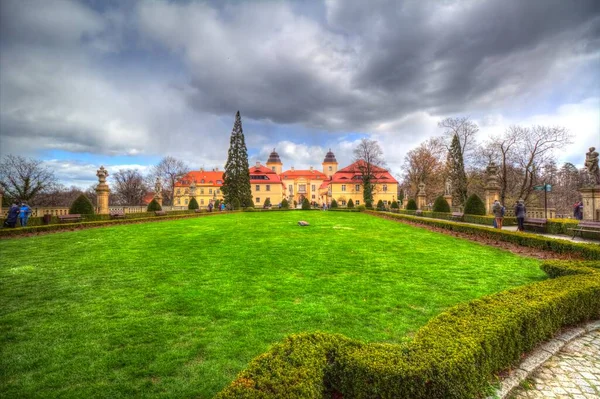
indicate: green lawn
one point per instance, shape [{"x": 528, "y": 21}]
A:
[{"x": 178, "y": 308}]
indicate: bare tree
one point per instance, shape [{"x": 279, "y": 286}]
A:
[
  {"x": 464, "y": 129},
  {"x": 59, "y": 195},
  {"x": 129, "y": 187},
  {"x": 23, "y": 179},
  {"x": 369, "y": 158},
  {"x": 169, "y": 170},
  {"x": 424, "y": 164}
]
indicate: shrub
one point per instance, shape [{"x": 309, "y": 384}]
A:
[
  {"x": 82, "y": 205},
  {"x": 285, "y": 204},
  {"x": 441, "y": 205},
  {"x": 411, "y": 205},
  {"x": 217, "y": 204},
  {"x": 334, "y": 204},
  {"x": 369, "y": 204},
  {"x": 361, "y": 208},
  {"x": 380, "y": 206},
  {"x": 154, "y": 206},
  {"x": 395, "y": 205},
  {"x": 350, "y": 204},
  {"x": 235, "y": 204},
  {"x": 474, "y": 206},
  {"x": 455, "y": 355},
  {"x": 193, "y": 204},
  {"x": 305, "y": 204},
  {"x": 267, "y": 202}
]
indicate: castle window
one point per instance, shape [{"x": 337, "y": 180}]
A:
[
  {"x": 313, "y": 187},
  {"x": 201, "y": 191},
  {"x": 210, "y": 190},
  {"x": 357, "y": 188},
  {"x": 330, "y": 168},
  {"x": 219, "y": 181},
  {"x": 268, "y": 187},
  {"x": 257, "y": 188},
  {"x": 257, "y": 200},
  {"x": 343, "y": 187},
  {"x": 385, "y": 187}
]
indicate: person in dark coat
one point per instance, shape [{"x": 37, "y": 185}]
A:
[
  {"x": 520, "y": 211},
  {"x": 24, "y": 213},
  {"x": 13, "y": 214}
]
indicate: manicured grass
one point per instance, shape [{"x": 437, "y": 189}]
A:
[{"x": 178, "y": 308}]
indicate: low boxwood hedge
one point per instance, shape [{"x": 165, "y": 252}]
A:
[
  {"x": 476, "y": 219},
  {"x": 587, "y": 251},
  {"x": 457, "y": 354}
]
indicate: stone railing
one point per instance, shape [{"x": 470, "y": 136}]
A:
[{"x": 55, "y": 211}]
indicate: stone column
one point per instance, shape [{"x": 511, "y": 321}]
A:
[
  {"x": 492, "y": 189},
  {"x": 158, "y": 192},
  {"x": 102, "y": 191},
  {"x": 1, "y": 197},
  {"x": 591, "y": 202},
  {"x": 421, "y": 197},
  {"x": 448, "y": 198}
]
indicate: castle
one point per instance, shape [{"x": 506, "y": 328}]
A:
[{"x": 272, "y": 182}]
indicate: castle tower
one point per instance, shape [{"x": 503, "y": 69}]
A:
[
  {"x": 274, "y": 163},
  {"x": 330, "y": 164}
]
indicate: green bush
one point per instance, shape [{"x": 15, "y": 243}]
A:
[
  {"x": 411, "y": 205},
  {"x": 82, "y": 205},
  {"x": 380, "y": 206},
  {"x": 441, "y": 205},
  {"x": 267, "y": 202},
  {"x": 395, "y": 205},
  {"x": 334, "y": 204},
  {"x": 235, "y": 204},
  {"x": 474, "y": 206},
  {"x": 350, "y": 204},
  {"x": 361, "y": 208},
  {"x": 154, "y": 206},
  {"x": 285, "y": 204},
  {"x": 305, "y": 204},
  {"x": 455, "y": 355},
  {"x": 217, "y": 204},
  {"x": 369, "y": 204},
  {"x": 193, "y": 204}
]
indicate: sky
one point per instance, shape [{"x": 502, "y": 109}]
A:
[{"x": 125, "y": 83}]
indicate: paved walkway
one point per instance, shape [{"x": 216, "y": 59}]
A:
[{"x": 574, "y": 372}]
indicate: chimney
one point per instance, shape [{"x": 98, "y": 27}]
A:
[
  {"x": 292, "y": 168},
  {"x": 201, "y": 169},
  {"x": 258, "y": 164},
  {"x": 311, "y": 169}
]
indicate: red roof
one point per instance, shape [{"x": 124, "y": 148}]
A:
[
  {"x": 148, "y": 197},
  {"x": 309, "y": 174},
  {"x": 267, "y": 176},
  {"x": 352, "y": 174},
  {"x": 210, "y": 178}
]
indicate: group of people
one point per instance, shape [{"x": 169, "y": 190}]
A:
[
  {"x": 15, "y": 213},
  {"x": 220, "y": 207},
  {"x": 499, "y": 210}
]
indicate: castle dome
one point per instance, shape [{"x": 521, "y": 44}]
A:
[
  {"x": 274, "y": 157},
  {"x": 330, "y": 157}
]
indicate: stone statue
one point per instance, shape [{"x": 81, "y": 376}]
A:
[
  {"x": 421, "y": 189},
  {"x": 157, "y": 186},
  {"x": 591, "y": 163},
  {"x": 448, "y": 188},
  {"x": 102, "y": 174},
  {"x": 492, "y": 174}
]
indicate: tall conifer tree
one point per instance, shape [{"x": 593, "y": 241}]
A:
[
  {"x": 456, "y": 171},
  {"x": 236, "y": 182}
]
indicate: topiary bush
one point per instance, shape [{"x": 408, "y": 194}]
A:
[
  {"x": 193, "y": 204},
  {"x": 334, "y": 204},
  {"x": 474, "y": 206},
  {"x": 380, "y": 206},
  {"x": 154, "y": 206},
  {"x": 285, "y": 204},
  {"x": 395, "y": 205},
  {"x": 411, "y": 205},
  {"x": 350, "y": 204},
  {"x": 369, "y": 204},
  {"x": 267, "y": 202},
  {"x": 361, "y": 208},
  {"x": 441, "y": 205},
  {"x": 305, "y": 204},
  {"x": 82, "y": 205}
]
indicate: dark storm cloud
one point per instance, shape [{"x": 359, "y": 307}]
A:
[{"x": 372, "y": 61}]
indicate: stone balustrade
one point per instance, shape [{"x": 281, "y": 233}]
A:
[{"x": 55, "y": 211}]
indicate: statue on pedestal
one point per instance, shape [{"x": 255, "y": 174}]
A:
[
  {"x": 591, "y": 163},
  {"x": 157, "y": 187},
  {"x": 102, "y": 174},
  {"x": 448, "y": 190},
  {"x": 421, "y": 189},
  {"x": 491, "y": 173}
]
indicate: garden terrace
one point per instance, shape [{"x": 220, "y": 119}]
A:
[{"x": 179, "y": 308}]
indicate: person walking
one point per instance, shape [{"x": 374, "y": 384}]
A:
[
  {"x": 520, "y": 211},
  {"x": 24, "y": 213},
  {"x": 498, "y": 211},
  {"x": 13, "y": 213}
]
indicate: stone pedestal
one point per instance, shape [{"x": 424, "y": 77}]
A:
[
  {"x": 421, "y": 197},
  {"x": 448, "y": 198},
  {"x": 102, "y": 191},
  {"x": 591, "y": 202},
  {"x": 159, "y": 199},
  {"x": 491, "y": 194}
]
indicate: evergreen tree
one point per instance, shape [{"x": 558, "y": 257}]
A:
[
  {"x": 350, "y": 203},
  {"x": 305, "y": 204},
  {"x": 285, "y": 204},
  {"x": 82, "y": 205},
  {"x": 411, "y": 205},
  {"x": 380, "y": 206},
  {"x": 334, "y": 204},
  {"x": 474, "y": 206},
  {"x": 154, "y": 206},
  {"x": 456, "y": 171},
  {"x": 267, "y": 202},
  {"x": 441, "y": 205},
  {"x": 395, "y": 205},
  {"x": 236, "y": 182},
  {"x": 193, "y": 204}
]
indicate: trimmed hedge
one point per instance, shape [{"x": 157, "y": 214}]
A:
[
  {"x": 334, "y": 204},
  {"x": 474, "y": 206},
  {"x": 455, "y": 355},
  {"x": 193, "y": 205},
  {"x": 82, "y": 205},
  {"x": 411, "y": 205},
  {"x": 441, "y": 205},
  {"x": 350, "y": 204},
  {"x": 476, "y": 219},
  {"x": 154, "y": 206},
  {"x": 587, "y": 251}
]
